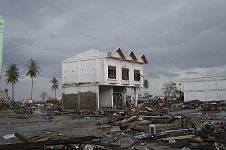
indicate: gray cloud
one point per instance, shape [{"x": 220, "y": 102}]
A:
[
  {"x": 191, "y": 72},
  {"x": 175, "y": 35},
  {"x": 156, "y": 74}
]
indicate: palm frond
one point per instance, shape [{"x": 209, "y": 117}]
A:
[
  {"x": 33, "y": 68},
  {"x": 12, "y": 74},
  {"x": 55, "y": 83}
]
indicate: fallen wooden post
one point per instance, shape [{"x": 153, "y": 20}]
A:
[{"x": 92, "y": 140}]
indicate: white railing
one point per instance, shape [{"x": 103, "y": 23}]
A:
[
  {"x": 112, "y": 81},
  {"x": 125, "y": 82}
]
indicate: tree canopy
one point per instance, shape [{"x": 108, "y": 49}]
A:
[
  {"x": 33, "y": 68},
  {"x": 169, "y": 88},
  {"x": 12, "y": 74},
  {"x": 55, "y": 85}
]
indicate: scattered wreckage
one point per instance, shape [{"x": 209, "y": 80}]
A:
[
  {"x": 129, "y": 128},
  {"x": 86, "y": 143}
]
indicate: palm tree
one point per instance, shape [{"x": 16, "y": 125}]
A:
[
  {"x": 12, "y": 74},
  {"x": 33, "y": 70},
  {"x": 55, "y": 85}
]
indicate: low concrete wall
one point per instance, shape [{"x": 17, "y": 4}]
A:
[
  {"x": 82, "y": 101},
  {"x": 88, "y": 100},
  {"x": 82, "y": 97},
  {"x": 70, "y": 101}
]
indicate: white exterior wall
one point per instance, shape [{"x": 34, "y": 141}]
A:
[
  {"x": 69, "y": 72},
  {"x": 96, "y": 71},
  {"x": 81, "y": 88},
  {"x": 123, "y": 64},
  {"x": 83, "y": 71}
]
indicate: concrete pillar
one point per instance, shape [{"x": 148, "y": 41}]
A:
[
  {"x": 124, "y": 96},
  {"x": 135, "y": 96},
  {"x": 78, "y": 99},
  {"x": 112, "y": 101},
  {"x": 112, "y": 98}
]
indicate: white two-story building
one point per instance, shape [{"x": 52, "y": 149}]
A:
[{"x": 94, "y": 79}]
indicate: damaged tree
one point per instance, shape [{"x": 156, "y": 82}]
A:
[
  {"x": 169, "y": 88},
  {"x": 43, "y": 95}
]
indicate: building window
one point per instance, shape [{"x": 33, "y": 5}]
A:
[
  {"x": 111, "y": 72},
  {"x": 136, "y": 75},
  {"x": 125, "y": 74}
]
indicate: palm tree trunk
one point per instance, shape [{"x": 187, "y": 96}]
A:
[
  {"x": 13, "y": 92},
  {"x": 166, "y": 95},
  {"x": 55, "y": 94},
  {"x": 32, "y": 88}
]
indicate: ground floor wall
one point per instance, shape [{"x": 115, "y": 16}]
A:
[
  {"x": 112, "y": 96},
  {"x": 92, "y": 97},
  {"x": 82, "y": 97},
  {"x": 70, "y": 101}
]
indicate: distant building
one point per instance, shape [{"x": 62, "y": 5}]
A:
[
  {"x": 204, "y": 88},
  {"x": 95, "y": 79}
]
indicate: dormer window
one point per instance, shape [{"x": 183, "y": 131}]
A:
[
  {"x": 111, "y": 72},
  {"x": 125, "y": 74}
]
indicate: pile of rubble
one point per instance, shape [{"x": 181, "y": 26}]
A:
[
  {"x": 29, "y": 108},
  {"x": 147, "y": 126},
  {"x": 151, "y": 125}
]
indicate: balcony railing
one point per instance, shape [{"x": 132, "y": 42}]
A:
[
  {"x": 137, "y": 82},
  {"x": 112, "y": 81},
  {"x": 125, "y": 82}
]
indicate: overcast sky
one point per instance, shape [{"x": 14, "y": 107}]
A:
[{"x": 181, "y": 38}]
